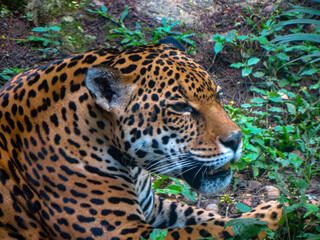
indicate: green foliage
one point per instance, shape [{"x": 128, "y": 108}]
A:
[
  {"x": 281, "y": 122},
  {"x": 246, "y": 228},
  {"x": 177, "y": 188},
  {"x": 49, "y": 39},
  {"x": 73, "y": 36},
  {"x": 220, "y": 40},
  {"x": 157, "y": 234},
  {"x": 243, "y": 208},
  {"x": 301, "y": 15},
  {"x": 142, "y": 36},
  {"x": 247, "y": 69},
  {"x": 103, "y": 11},
  {"x": 8, "y": 73},
  {"x": 4, "y": 11}
]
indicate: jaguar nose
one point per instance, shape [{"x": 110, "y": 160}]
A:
[{"x": 233, "y": 141}]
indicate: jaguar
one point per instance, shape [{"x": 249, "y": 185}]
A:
[{"x": 80, "y": 137}]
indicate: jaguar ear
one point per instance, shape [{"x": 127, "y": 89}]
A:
[
  {"x": 108, "y": 86},
  {"x": 173, "y": 42}
]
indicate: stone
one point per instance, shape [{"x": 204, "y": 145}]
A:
[
  {"x": 272, "y": 192},
  {"x": 212, "y": 207}
]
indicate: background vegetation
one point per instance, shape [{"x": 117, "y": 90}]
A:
[{"x": 278, "y": 61}]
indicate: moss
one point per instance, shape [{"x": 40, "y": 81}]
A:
[
  {"x": 44, "y": 11},
  {"x": 74, "y": 38}
]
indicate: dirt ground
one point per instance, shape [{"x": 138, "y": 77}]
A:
[{"x": 221, "y": 17}]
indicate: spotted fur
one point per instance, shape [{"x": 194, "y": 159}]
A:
[{"x": 80, "y": 136}]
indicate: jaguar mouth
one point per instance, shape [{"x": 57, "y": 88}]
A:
[
  {"x": 201, "y": 176},
  {"x": 220, "y": 171}
]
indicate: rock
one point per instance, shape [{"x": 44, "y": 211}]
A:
[
  {"x": 272, "y": 192},
  {"x": 248, "y": 200},
  {"x": 186, "y": 11},
  {"x": 269, "y": 8},
  {"x": 212, "y": 207}
]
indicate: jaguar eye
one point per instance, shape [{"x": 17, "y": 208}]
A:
[{"x": 180, "y": 107}]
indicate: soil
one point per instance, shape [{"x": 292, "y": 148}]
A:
[{"x": 205, "y": 17}]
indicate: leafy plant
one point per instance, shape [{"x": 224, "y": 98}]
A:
[
  {"x": 157, "y": 234},
  {"x": 49, "y": 39},
  {"x": 301, "y": 15},
  {"x": 220, "y": 40},
  {"x": 242, "y": 207},
  {"x": 8, "y": 73},
  {"x": 4, "y": 10},
  {"x": 247, "y": 69},
  {"x": 140, "y": 36},
  {"x": 246, "y": 228},
  {"x": 178, "y": 187},
  {"x": 281, "y": 121}
]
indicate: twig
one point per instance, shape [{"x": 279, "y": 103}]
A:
[
  {"x": 199, "y": 200},
  {"x": 15, "y": 39}
]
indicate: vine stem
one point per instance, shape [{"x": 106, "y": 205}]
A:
[{"x": 14, "y": 39}]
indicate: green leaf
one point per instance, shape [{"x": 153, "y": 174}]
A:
[
  {"x": 312, "y": 208},
  {"x": 218, "y": 38},
  {"x": 292, "y": 109},
  {"x": 252, "y": 157},
  {"x": 246, "y": 105},
  {"x": 293, "y": 207},
  {"x": 298, "y": 21},
  {"x": 159, "y": 181},
  {"x": 275, "y": 109},
  {"x": 237, "y": 65},
  {"x": 230, "y": 37},
  {"x": 138, "y": 27},
  {"x": 164, "y": 21},
  {"x": 57, "y": 29},
  {"x": 283, "y": 56},
  {"x": 247, "y": 228},
  {"x": 158, "y": 234},
  {"x": 258, "y": 90},
  {"x": 242, "y": 207},
  {"x": 124, "y": 14},
  {"x": 302, "y": 184},
  {"x": 39, "y": 29},
  {"x": 246, "y": 72},
  {"x": 297, "y": 37},
  {"x": 218, "y": 46},
  {"x": 253, "y": 61},
  {"x": 315, "y": 86},
  {"x": 258, "y": 100},
  {"x": 255, "y": 171},
  {"x": 258, "y": 74},
  {"x": 104, "y": 9},
  {"x": 309, "y": 72},
  {"x": 184, "y": 189},
  {"x": 243, "y": 37},
  {"x": 311, "y": 236},
  {"x": 245, "y": 222},
  {"x": 295, "y": 160},
  {"x": 274, "y": 97},
  {"x": 263, "y": 40},
  {"x": 304, "y": 10},
  {"x": 283, "y": 82}
]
